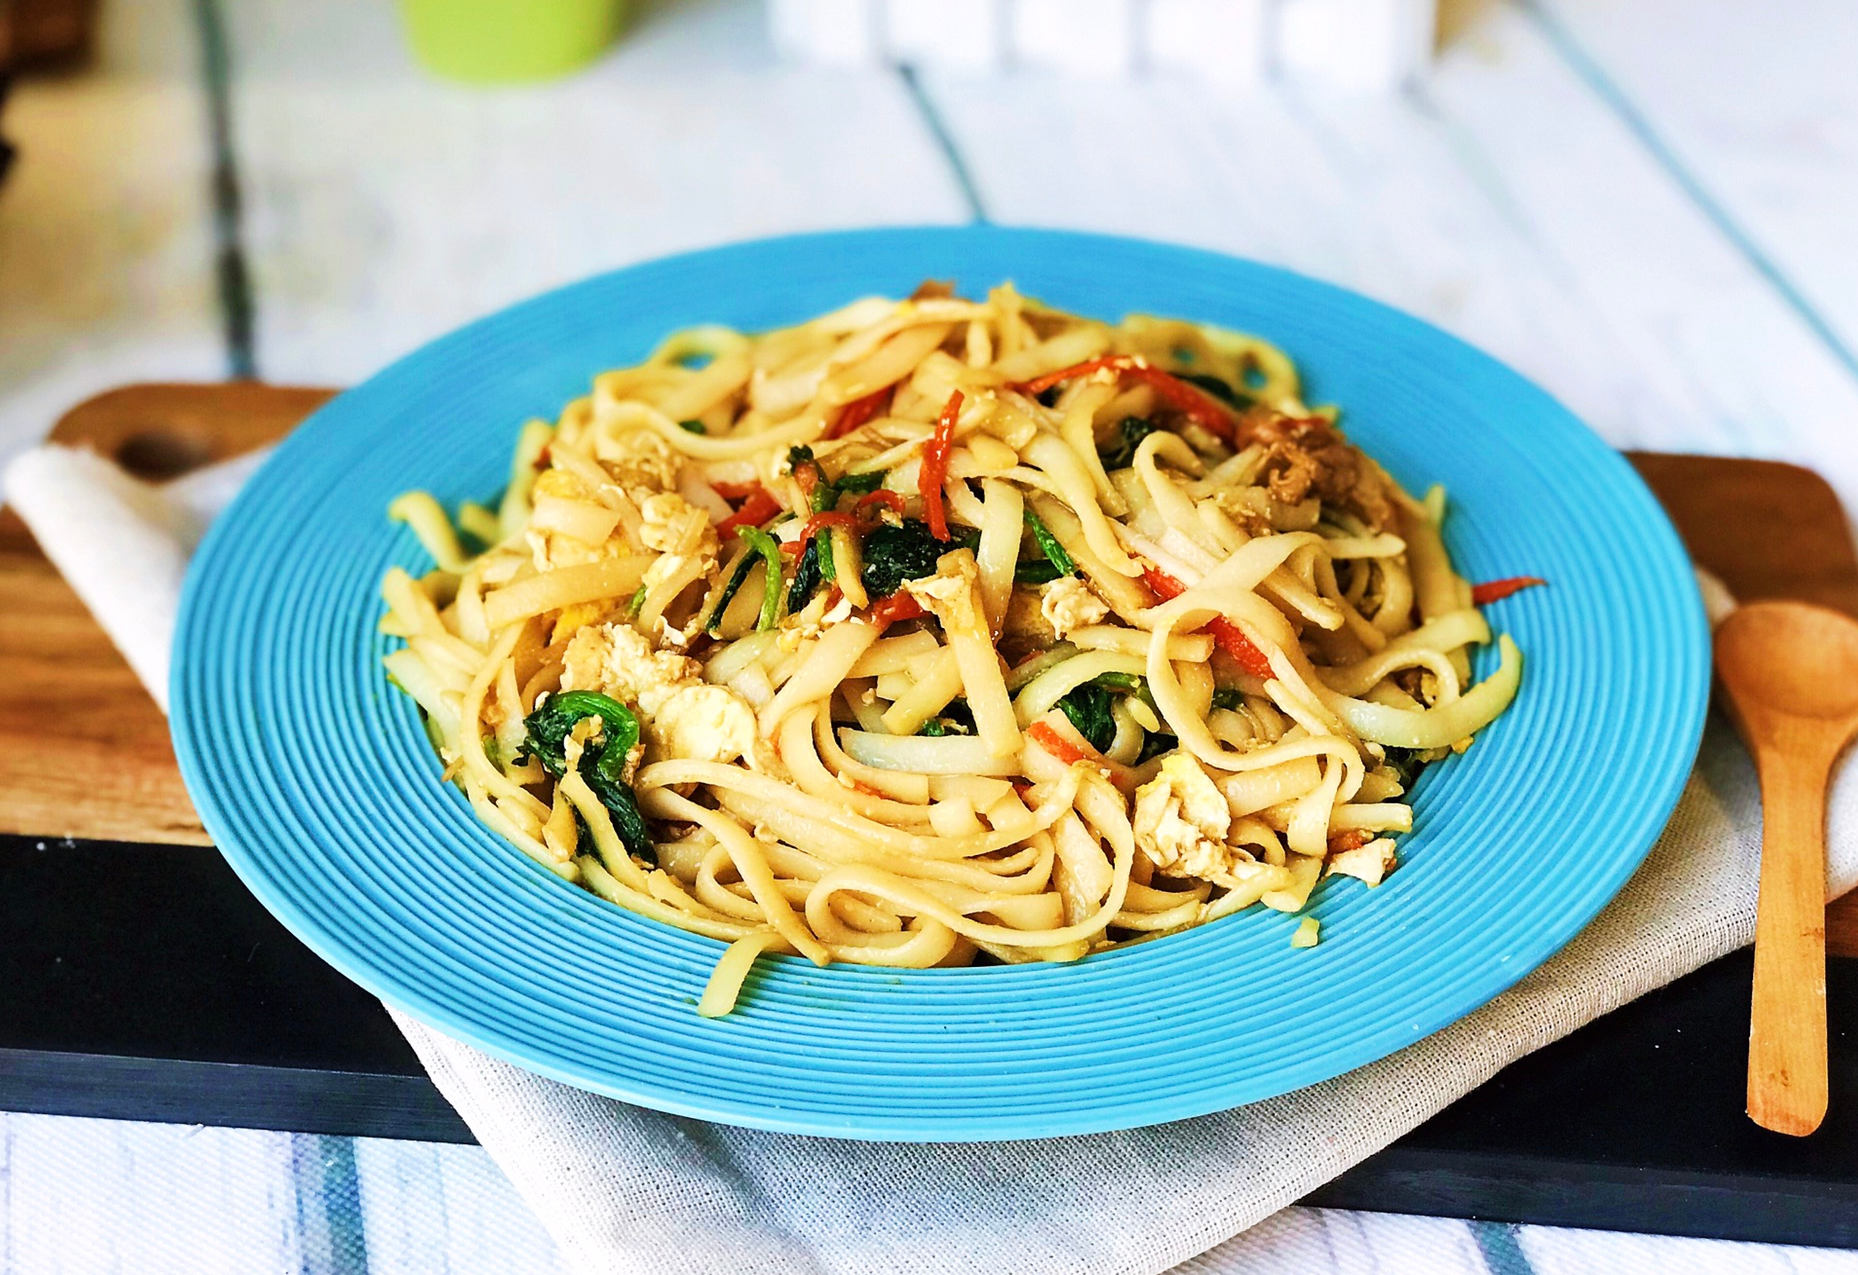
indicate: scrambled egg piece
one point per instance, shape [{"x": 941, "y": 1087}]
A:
[
  {"x": 559, "y": 482},
  {"x": 706, "y": 723},
  {"x": 683, "y": 536},
  {"x": 671, "y": 524},
  {"x": 1370, "y": 863},
  {"x": 617, "y": 660},
  {"x": 640, "y": 461},
  {"x": 573, "y": 618},
  {"x": 1181, "y": 822},
  {"x": 681, "y": 714},
  {"x": 953, "y": 594},
  {"x": 1067, "y": 603}
]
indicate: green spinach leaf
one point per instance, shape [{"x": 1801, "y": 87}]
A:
[
  {"x": 909, "y": 551},
  {"x": 602, "y": 768},
  {"x": 807, "y": 575},
  {"x": 1054, "y": 552},
  {"x": 1088, "y": 707},
  {"x": 1130, "y": 435},
  {"x": 1035, "y": 571}
]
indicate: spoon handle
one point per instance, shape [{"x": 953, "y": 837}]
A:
[{"x": 1787, "y": 1025}]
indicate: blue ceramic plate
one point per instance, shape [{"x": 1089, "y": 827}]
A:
[{"x": 315, "y": 778}]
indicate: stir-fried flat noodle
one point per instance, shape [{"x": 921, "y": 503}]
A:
[{"x": 939, "y": 628}]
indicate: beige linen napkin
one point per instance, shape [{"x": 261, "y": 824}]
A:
[{"x": 624, "y": 1189}]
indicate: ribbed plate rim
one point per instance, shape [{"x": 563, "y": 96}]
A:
[{"x": 196, "y": 720}]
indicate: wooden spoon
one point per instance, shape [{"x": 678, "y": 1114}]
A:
[{"x": 1791, "y": 672}]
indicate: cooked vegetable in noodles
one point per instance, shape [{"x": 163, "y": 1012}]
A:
[{"x": 939, "y": 630}]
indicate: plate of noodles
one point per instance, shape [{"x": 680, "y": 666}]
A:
[{"x": 1111, "y": 684}]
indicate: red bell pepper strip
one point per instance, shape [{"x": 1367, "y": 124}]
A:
[
  {"x": 1042, "y": 734},
  {"x": 1039, "y": 384},
  {"x": 1497, "y": 590},
  {"x": 827, "y": 519},
  {"x": 897, "y": 607},
  {"x": 859, "y": 412},
  {"x": 1161, "y": 584},
  {"x": 866, "y": 508},
  {"x": 735, "y": 491},
  {"x": 1230, "y": 637},
  {"x": 1197, "y": 406},
  {"x": 1232, "y": 640},
  {"x": 934, "y": 470},
  {"x": 757, "y": 509}
]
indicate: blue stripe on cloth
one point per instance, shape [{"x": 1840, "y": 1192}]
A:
[
  {"x": 332, "y": 1239},
  {"x": 1501, "y": 1245}
]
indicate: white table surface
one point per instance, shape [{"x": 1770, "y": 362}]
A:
[{"x": 1648, "y": 206}]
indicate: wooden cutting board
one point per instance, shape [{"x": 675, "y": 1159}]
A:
[{"x": 84, "y": 752}]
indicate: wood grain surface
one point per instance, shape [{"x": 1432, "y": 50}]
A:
[{"x": 84, "y": 752}]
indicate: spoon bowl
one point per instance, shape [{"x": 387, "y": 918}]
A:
[{"x": 1791, "y": 658}]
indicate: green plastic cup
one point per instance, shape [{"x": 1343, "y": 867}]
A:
[{"x": 509, "y": 41}]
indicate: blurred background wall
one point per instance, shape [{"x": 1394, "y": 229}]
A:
[{"x": 1645, "y": 205}]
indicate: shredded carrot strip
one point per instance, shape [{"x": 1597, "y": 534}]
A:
[
  {"x": 1232, "y": 640},
  {"x": 1038, "y": 385},
  {"x": 934, "y": 470},
  {"x": 1497, "y": 590},
  {"x": 1230, "y": 637},
  {"x": 1197, "y": 406},
  {"x": 1042, "y": 734}
]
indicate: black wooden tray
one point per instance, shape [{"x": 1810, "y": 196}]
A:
[{"x": 144, "y": 982}]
